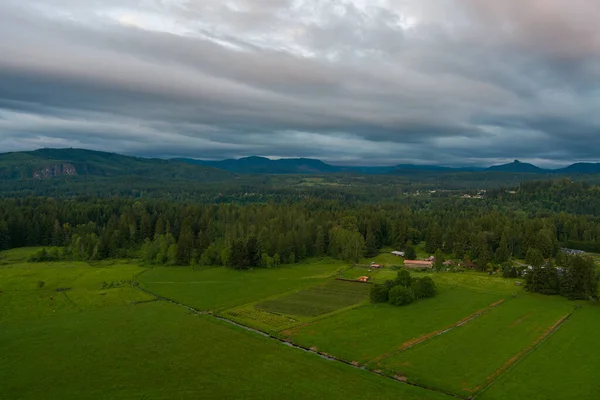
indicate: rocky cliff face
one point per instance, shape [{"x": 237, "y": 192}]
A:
[{"x": 55, "y": 170}]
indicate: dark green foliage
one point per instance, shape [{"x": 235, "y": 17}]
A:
[
  {"x": 509, "y": 270},
  {"x": 424, "y": 287},
  {"x": 400, "y": 295},
  {"x": 379, "y": 293},
  {"x": 403, "y": 278},
  {"x": 534, "y": 257},
  {"x": 543, "y": 279},
  {"x": 438, "y": 264},
  {"x": 409, "y": 252},
  {"x": 575, "y": 279},
  {"x": 371, "y": 248},
  {"x": 579, "y": 280}
]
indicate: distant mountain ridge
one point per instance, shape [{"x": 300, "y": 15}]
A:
[{"x": 48, "y": 163}]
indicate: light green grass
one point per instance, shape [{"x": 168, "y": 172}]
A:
[
  {"x": 367, "y": 332},
  {"x": 462, "y": 361},
  {"x": 221, "y": 288},
  {"x": 479, "y": 281},
  {"x": 160, "y": 351},
  {"x": 318, "y": 300},
  {"x": 565, "y": 367},
  {"x": 22, "y": 297}
]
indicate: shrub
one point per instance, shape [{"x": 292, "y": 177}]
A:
[
  {"x": 401, "y": 295},
  {"x": 423, "y": 287},
  {"x": 379, "y": 293},
  {"x": 404, "y": 278}
]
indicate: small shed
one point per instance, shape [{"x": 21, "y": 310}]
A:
[
  {"x": 363, "y": 279},
  {"x": 398, "y": 253}
]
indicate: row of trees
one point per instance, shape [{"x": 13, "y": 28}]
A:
[
  {"x": 247, "y": 235},
  {"x": 573, "y": 277}
]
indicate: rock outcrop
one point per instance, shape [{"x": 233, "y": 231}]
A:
[{"x": 55, "y": 170}]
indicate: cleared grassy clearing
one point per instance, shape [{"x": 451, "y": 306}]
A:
[
  {"x": 466, "y": 359},
  {"x": 318, "y": 300},
  {"x": 159, "y": 351},
  {"x": 565, "y": 367},
  {"x": 478, "y": 281},
  {"x": 221, "y": 288},
  {"x": 370, "y": 331},
  {"x": 29, "y": 290}
]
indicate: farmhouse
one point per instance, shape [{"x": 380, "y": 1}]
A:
[
  {"x": 398, "y": 253},
  {"x": 376, "y": 266},
  {"x": 363, "y": 279},
  {"x": 418, "y": 263}
]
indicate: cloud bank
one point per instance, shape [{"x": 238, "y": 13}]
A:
[{"x": 459, "y": 82}]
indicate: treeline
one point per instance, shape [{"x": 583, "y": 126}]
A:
[
  {"x": 163, "y": 231},
  {"x": 574, "y": 277}
]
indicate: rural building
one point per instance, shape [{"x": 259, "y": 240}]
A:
[
  {"x": 418, "y": 263},
  {"x": 398, "y": 253},
  {"x": 363, "y": 279},
  {"x": 573, "y": 252},
  {"x": 376, "y": 266}
]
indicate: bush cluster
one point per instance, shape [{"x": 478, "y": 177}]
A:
[{"x": 403, "y": 290}]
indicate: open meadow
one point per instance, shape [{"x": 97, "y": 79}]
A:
[
  {"x": 220, "y": 288},
  {"x": 135, "y": 347},
  {"x": 565, "y": 367},
  {"x": 370, "y": 331},
  {"x": 74, "y": 330},
  {"x": 468, "y": 358}
]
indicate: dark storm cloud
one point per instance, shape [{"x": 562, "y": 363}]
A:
[{"x": 350, "y": 82}]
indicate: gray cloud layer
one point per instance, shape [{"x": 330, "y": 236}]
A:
[{"x": 353, "y": 82}]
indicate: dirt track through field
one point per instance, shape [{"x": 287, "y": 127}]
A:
[
  {"x": 415, "y": 341},
  {"x": 522, "y": 355},
  {"x": 288, "y": 343}
]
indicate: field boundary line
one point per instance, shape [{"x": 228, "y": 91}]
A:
[
  {"x": 523, "y": 354},
  {"x": 296, "y": 346},
  {"x": 428, "y": 336},
  {"x": 157, "y": 297},
  {"x": 329, "y": 357}
]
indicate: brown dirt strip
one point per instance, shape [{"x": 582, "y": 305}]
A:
[
  {"x": 513, "y": 360},
  {"x": 415, "y": 341},
  {"x": 288, "y": 343}
]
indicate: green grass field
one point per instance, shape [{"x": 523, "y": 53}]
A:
[
  {"x": 319, "y": 300},
  {"x": 466, "y": 359},
  {"x": 565, "y": 367},
  {"x": 104, "y": 339},
  {"x": 221, "y": 288},
  {"x": 29, "y": 290},
  {"x": 161, "y": 351},
  {"x": 370, "y": 331}
]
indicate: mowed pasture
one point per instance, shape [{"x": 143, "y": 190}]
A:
[
  {"x": 221, "y": 288},
  {"x": 565, "y": 367},
  {"x": 371, "y": 331},
  {"x": 468, "y": 358},
  {"x": 161, "y": 351}
]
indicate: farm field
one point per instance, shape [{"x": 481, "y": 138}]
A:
[
  {"x": 572, "y": 372},
  {"x": 29, "y": 290},
  {"x": 367, "y": 332},
  {"x": 468, "y": 358},
  {"x": 221, "y": 288},
  {"x": 158, "y": 350},
  {"x": 318, "y": 300}
]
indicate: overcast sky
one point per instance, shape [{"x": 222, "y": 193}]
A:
[{"x": 373, "y": 82}]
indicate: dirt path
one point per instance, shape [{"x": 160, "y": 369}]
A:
[{"x": 288, "y": 343}]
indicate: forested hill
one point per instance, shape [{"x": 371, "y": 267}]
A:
[{"x": 50, "y": 163}]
